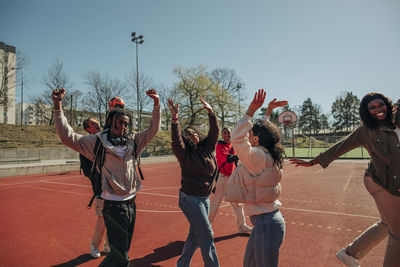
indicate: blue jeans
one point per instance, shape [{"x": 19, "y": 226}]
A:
[
  {"x": 200, "y": 233},
  {"x": 265, "y": 240}
]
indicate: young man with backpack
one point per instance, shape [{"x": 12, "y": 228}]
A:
[
  {"x": 115, "y": 161},
  {"x": 91, "y": 125}
]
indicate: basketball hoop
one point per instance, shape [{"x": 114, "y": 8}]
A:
[{"x": 287, "y": 118}]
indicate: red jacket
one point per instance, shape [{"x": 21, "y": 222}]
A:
[{"x": 222, "y": 151}]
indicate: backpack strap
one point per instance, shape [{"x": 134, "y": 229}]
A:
[
  {"x": 138, "y": 161},
  {"x": 98, "y": 161}
]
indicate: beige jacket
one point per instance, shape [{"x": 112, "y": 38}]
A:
[
  {"x": 256, "y": 180},
  {"x": 118, "y": 174}
]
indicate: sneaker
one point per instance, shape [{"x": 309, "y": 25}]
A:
[
  {"x": 346, "y": 258},
  {"x": 94, "y": 252},
  {"x": 245, "y": 229},
  {"x": 106, "y": 248}
]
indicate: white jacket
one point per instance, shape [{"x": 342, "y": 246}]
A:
[{"x": 256, "y": 181}]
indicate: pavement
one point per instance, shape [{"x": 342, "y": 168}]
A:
[{"x": 19, "y": 168}]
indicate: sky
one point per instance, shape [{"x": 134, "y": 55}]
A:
[{"x": 293, "y": 49}]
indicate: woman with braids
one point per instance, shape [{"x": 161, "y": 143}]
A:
[
  {"x": 120, "y": 183},
  {"x": 381, "y": 178},
  {"x": 256, "y": 182},
  {"x": 195, "y": 154}
]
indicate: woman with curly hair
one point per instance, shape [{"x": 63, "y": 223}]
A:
[
  {"x": 256, "y": 182},
  {"x": 382, "y": 176},
  {"x": 195, "y": 153}
]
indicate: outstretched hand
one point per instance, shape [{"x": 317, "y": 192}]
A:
[
  {"x": 275, "y": 104},
  {"x": 258, "y": 101},
  {"x": 153, "y": 94},
  {"x": 300, "y": 162},
  {"x": 173, "y": 108},
  {"x": 206, "y": 106},
  {"x": 58, "y": 94}
]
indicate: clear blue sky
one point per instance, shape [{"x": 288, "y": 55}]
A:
[{"x": 294, "y": 49}]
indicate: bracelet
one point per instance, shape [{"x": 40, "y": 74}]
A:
[{"x": 174, "y": 118}]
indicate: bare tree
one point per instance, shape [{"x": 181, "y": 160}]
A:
[
  {"x": 193, "y": 83},
  {"x": 145, "y": 83},
  {"x": 227, "y": 84},
  {"x": 55, "y": 78},
  {"x": 165, "y": 93},
  {"x": 101, "y": 89}
]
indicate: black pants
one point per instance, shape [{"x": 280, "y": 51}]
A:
[{"x": 119, "y": 218}]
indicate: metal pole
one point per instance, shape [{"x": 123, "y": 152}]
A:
[
  {"x": 70, "y": 115},
  {"x": 22, "y": 96},
  {"x": 139, "y": 117},
  {"x": 293, "y": 139}
]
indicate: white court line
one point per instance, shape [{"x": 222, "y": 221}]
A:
[
  {"x": 348, "y": 182},
  {"x": 48, "y": 182},
  {"x": 174, "y": 196},
  {"x": 334, "y": 213},
  {"x": 160, "y": 211},
  {"x": 155, "y": 194},
  {"x": 158, "y": 188}
]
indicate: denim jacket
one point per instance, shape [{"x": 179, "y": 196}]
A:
[{"x": 384, "y": 149}]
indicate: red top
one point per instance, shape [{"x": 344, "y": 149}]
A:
[{"x": 222, "y": 151}]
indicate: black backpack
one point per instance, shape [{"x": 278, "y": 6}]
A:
[{"x": 95, "y": 170}]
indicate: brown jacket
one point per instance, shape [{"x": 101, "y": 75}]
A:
[
  {"x": 198, "y": 165},
  {"x": 384, "y": 149}
]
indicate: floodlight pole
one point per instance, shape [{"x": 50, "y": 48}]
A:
[{"x": 137, "y": 40}]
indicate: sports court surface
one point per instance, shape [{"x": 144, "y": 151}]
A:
[{"x": 45, "y": 222}]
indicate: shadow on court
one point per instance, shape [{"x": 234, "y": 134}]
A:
[
  {"x": 171, "y": 250},
  {"x": 77, "y": 261}
]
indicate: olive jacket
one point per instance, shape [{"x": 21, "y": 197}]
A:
[{"x": 384, "y": 149}]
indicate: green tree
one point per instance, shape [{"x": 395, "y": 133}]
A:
[
  {"x": 309, "y": 117},
  {"x": 345, "y": 112}
]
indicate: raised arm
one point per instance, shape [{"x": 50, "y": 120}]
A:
[
  {"x": 144, "y": 137},
  {"x": 82, "y": 144},
  {"x": 178, "y": 146},
  {"x": 213, "y": 133}
]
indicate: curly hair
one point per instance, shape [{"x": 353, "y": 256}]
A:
[
  {"x": 366, "y": 116},
  {"x": 269, "y": 137},
  {"x": 186, "y": 139},
  {"x": 115, "y": 113}
]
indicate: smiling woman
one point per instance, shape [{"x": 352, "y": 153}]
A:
[{"x": 381, "y": 178}]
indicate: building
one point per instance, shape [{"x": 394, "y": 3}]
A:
[{"x": 7, "y": 85}]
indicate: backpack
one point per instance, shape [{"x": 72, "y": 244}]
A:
[{"x": 95, "y": 170}]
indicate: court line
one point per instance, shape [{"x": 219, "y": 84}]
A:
[
  {"x": 333, "y": 213},
  {"x": 48, "y": 182},
  {"x": 348, "y": 182},
  {"x": 294, "y": 209},
  {"x": 55, "y": 190}
]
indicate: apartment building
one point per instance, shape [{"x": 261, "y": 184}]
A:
[{"x": 7, "y": 84}]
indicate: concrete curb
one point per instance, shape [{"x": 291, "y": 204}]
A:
[{"x": 64, "y": 165}]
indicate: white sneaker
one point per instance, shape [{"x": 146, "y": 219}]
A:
[
  {"x": 106, "y": 248},
  {"x": 245, "y": 229},
  {"x": 346, "y": 258},
  {"x": 94, "y": 252}
]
